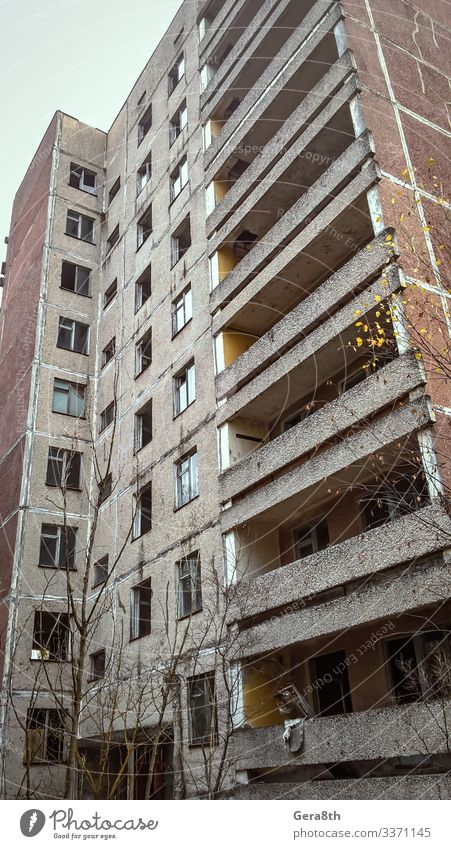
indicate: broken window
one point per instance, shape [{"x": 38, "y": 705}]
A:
[
  {"x": 180, "y": 241},
  {"x": 143, "y": 426},
  {"x": 68, "y": 398},
  {"x": 179, "y": 178},
  {"x": 202, "y": 709},
  {"x": 144, "y": 174},
  {"x": 143, "y": 288},
  {"x": 395, "y": 499},
  {"x": 419, "y": 666},
  {"x": 113, "y": 238},
  {"x": 176, "y": 73},
  {"x": 110, "y": 294},
  {"x": 105, "y": 488},
  {"x": 97, "y": 662},
  {"x": 63, "y": 468},
  {"x": 143, "y": 353},
  {"x": 310, "y": 538},
  {"x": 73, "y": 335},
  {"x": 82, "y": 178},
  {"x": 109, "y": 351},
  {"x": 141, "y": 607},
  {"x": 144, "y": 124},
  {"x": 57, "y": 548},
  {"x": 50, "y": 636},
  {"x": 76, "y": 278},
  {"x": 100, "y": 573},
  {"x": 178, "y": 122},
  {"x": 187, "y": 479},
  {"x": 144, "y": 228},
  {"x": 80, "y": 226},
  {"x": 184, "y": 388},
  {"x": 107, "y": 416},
  {"x": 182, "y": 310},
  {"x": 143, "y": 516},
  {"x": 44, "y": 736},
  {"x": 114, "y": 190},
  {"x": 189, "y": 585}
]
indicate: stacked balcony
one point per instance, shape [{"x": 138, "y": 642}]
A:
[{"x": 332, "y": 527}]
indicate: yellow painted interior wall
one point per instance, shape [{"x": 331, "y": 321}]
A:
[
  {"x": 236, "y": 344},
  {"x": 226, "y": 261},
  {"x": 260, "y": 705}
]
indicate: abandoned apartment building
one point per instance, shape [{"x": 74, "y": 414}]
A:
[{"x": 219, "y": 431}]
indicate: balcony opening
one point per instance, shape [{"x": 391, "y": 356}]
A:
[{"x": 286, "y": 98}]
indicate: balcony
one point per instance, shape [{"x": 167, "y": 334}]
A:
[
  {"x": 269, "y": 579},
  {"x": 240, "y": 174},
  {"x": 275, "y": 243},
  {"x": 387, "y": 733},
  {"x": 401, "y": 786},
  {"x": 254, "y": 351},
  {"x": 294, "y": 71}
]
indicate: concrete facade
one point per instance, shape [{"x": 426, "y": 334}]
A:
[{"x": 319, "y": 511}]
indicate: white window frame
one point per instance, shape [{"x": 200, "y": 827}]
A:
[
  {"x": 179, "y": 178},
  {"x": 71, "y": 326},
  {"x": 144, "y": 174},
  {"x": 182, "y": 310},
  {"x": 187, "y": 479},
  {"x": 189, "y": 572},
  {"x": 184, "y": 388}
]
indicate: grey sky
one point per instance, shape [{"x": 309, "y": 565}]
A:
[{"x": 80, "y": 56}]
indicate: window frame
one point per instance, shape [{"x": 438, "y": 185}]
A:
[
  {"x": 104, "y": 418},
  {"x": 61, "y": 551},
  {"x": 143, "y": 231},
  {"x": 112, "y": 239},
  {"x": 144, "y": 279},
  {"x": 95, "y": 674},
  {"x": 110, "y": 294},
  {"x": 144, "y": 126},
  {"x": 145, "y": 169},
  {"x": 177, "y": 253},
  {"x": 109, "y": 352},
  {"x": 178, "y": 122},
  {"x": 140, "y": 626},
  {"x": 186, "y": 311},
  {"x": 81, "y": 221},
  {"x": 179, "y": 178},
  {"x": 75, "y": 329},
  {"x": 138, "y": 530},
  {"x": 101, "y": 567},
  {"x": 64, "y": 463},
  {"x": 313, "y": 530},
  {"x": 139, "y": 416},
  {"x": 143, "y": 359},
  {"x": 209, "y": 704},
  {"x": 189, "y": 571},
  {"x": 91, "y": 190},
  {"x": 115, "y": 189},
  {"x": 186, "y": 479},
  {"x": 70, "y": 393},
  {"x": 86, "y": 283},
  {"x": 176, "y": 73},
  {"x": 61, "y": 627},
  {"x": 50, "y": 730},
  {"x": 186, "y": 377}
]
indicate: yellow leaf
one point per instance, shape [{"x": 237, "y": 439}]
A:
[
  {"x": 430, "y": 161},
  {"x": 418, "y": 355},
  {"x": 357, "y": 313},
  {"x": 359, "y": 342},
  {"x": 377, "y": 298},
  {"x": 389, "y": 238}
]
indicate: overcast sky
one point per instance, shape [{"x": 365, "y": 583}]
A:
[{"x": 80, "y": 56}]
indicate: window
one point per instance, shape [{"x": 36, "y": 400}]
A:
[
  {"x": 57, "y": 549},
  {"x": 204, "y": 26},
  {"x": 144, "y": 124},
  {"x": 202, "y": 709},
  {"x": 143, "y": 288},
  {"x": 44, "y": 736},
  {"x": 73, "y": 335},
  {"x": 189, "y": 585},
  {"x": 110, "y": 294},
  {"x": 394, "y": 500},
  {"x": 144, "y": 174},
  {"x": 187, "y": 481},
  {"x": 182, "y": 310},
  {"x": 310, "y": 538},
  {"x": 143, "y": 353},
  {"x": 114, "y": 190},
  {"x": 109, "y": 351},
  {"x": 68, "y": 398},
  {"x": 176, "y": 73},
  {"x": 105, "y": 488},
  {"x": 184, "y": 388},
  {"x": 179, "y": 178},
  {"x": 50, "y": 636},
  {"x": 97, "y": 665},
  {"x": 144, "y": 228},
  {"x": 178, "y": 122},
  {"x": 63, "y": 468},
  {"x": 180, "y": 241},
  {"x": 143, "y": 426},
  {"x": 141, "y": 603},
  {"x": 80, "y": 226},
  {"x": 107, "y": 416},
  {"x": 100, "y": 573},
  {"x": 143, "y": 516},
  {"x": 113, "y": 238},
  {"x": 418, "y": 665},
  {"x": 82, "y": 178},
  {"x": 206, "y": 73},
  {"x": 76, "y": 278}
]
